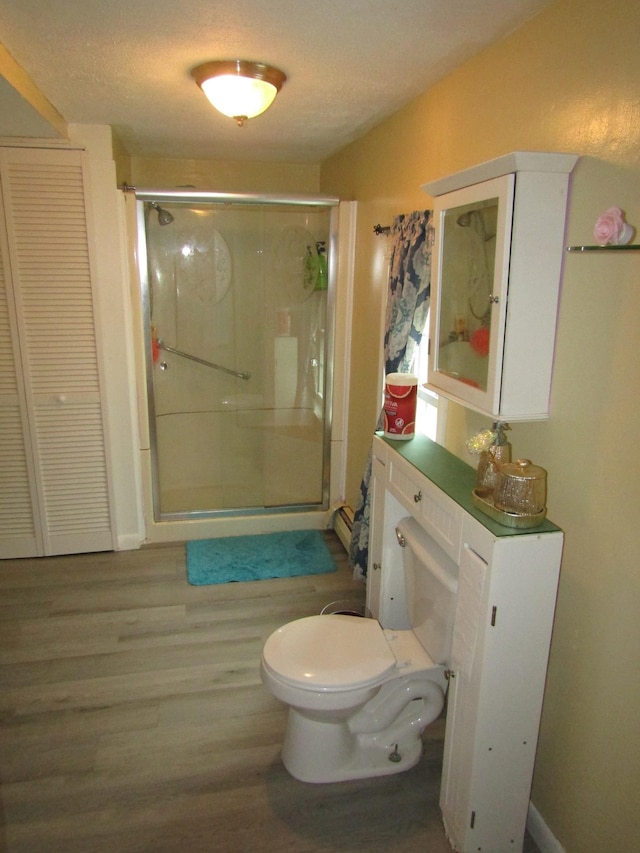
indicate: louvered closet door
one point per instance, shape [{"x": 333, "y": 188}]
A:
[
  {"x": 50, "y": 277},
  {"x": 19, "y": 535}
]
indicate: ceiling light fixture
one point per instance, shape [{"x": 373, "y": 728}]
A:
[{"x": 238, "y": 88}]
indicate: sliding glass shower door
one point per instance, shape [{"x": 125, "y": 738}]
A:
[{"x": 238, "y": 301}]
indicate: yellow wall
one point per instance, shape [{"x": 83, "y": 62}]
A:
[
  {"x": 225, "y": 176},
  {"x": 566, "y": 81}
]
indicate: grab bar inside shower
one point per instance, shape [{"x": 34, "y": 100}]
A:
[{"x": 240, "y": 374}]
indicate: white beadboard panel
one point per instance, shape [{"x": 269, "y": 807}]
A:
[{"x": 48, "y": 245}]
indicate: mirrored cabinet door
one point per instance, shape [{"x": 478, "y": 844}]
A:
[
  {"x": 496, "y": 282},
  {"x": 469, "y": 306}
]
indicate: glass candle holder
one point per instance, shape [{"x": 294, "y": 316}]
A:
[{"x": 521, "y": 488}]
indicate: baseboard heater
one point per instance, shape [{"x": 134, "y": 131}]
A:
[{"x": 343, "y": 525}]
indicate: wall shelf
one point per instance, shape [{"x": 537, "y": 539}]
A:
[{"x": 631, "y": 248}]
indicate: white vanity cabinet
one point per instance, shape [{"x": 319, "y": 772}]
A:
[
  {"x": 507, "y": 588},
  {"x": 497, "y": 270}
]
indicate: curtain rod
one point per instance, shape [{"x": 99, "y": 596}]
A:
[{"x": 381, "y": 229}]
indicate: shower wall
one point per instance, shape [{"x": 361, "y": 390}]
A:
[{"x": 244, "y": 287}]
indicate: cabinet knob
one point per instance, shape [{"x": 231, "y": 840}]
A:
[{"x": 417, "y": 497}]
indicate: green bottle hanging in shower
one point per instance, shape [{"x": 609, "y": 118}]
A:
[{"x": 322, "y": 281}]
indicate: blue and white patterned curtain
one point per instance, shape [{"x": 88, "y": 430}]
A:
[{"x": 412, "y": 237}]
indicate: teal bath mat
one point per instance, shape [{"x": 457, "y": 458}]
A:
[{"x": 254, "y": 558}]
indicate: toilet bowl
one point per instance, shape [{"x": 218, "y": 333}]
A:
[{"x": 360, "y": 695}]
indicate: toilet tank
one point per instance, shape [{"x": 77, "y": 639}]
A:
[{"x": 431, "y": 588}]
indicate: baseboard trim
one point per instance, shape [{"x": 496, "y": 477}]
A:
[
  {"x": 540, "y": 832},
  {"x": 129, "y": 542}
]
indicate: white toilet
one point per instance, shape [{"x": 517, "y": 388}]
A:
[{"x": 360, "y": 696}]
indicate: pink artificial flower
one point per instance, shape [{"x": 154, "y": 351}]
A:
[{"x": 610, "y": 228}]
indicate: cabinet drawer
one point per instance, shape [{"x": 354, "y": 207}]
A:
[{"x": 440, "y": 516}]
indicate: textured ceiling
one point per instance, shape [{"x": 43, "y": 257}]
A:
[{"x": 349, "y": 63}]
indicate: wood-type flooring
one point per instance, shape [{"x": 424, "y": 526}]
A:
[{"x": 133, "y": 718}]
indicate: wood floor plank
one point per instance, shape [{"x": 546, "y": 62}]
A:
[{"x": 66, "y": 726}]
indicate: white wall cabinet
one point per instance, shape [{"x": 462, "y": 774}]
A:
[
  {"x": 54, "y": 489},
  {"x": 497, "y": 269},
  {"x": 507, "y": 589}
]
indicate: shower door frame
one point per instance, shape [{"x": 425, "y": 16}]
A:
[{"x": 145, "y": 195}]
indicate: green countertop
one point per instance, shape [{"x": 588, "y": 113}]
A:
[{"x": 456, "y": 479}]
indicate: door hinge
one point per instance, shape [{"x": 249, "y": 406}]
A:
[
  {"x": 472, "y": 822},
  {"x": 494, "y": 611}
]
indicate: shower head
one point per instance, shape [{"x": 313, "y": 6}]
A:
[
  {"x": 484, "y": 217},
  {"x": 164, "y": 217}
]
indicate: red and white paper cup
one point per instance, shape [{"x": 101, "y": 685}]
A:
[{"x": 400, "y": 398}]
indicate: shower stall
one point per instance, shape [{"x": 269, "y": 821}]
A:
[{"x": 238, "y": 298}]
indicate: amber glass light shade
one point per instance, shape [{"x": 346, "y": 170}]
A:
[{"x": 238, "y": 88}]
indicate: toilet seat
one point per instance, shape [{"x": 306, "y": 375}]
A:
[{"x": 329, "y": 653}]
